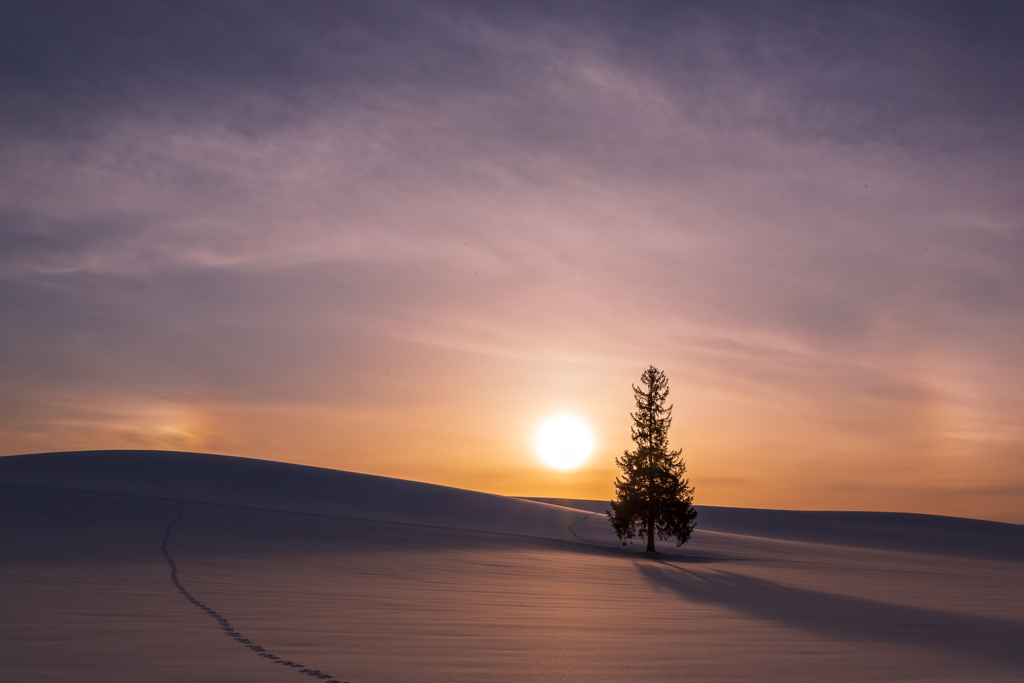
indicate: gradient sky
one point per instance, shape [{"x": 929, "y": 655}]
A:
[{"x": 394, "y": 237}]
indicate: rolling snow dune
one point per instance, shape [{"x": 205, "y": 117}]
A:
[
  {"x": 278, "y": 486},
  {"x": 158, "y": 566},
  {"x": 885, "y": 530}
]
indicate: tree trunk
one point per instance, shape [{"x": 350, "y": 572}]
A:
[{"x": 650, "y": 532}]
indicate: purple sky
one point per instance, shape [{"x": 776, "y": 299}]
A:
[{"x": 393, "y": 237}]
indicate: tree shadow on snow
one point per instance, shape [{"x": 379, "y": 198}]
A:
[
  {"x": 844, "y": 617},
  {"x": 680, "y": 558}
]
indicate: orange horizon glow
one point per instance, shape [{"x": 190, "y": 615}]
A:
[{"x": 740, "y": 452}]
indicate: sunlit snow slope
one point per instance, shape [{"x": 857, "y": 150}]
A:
[{"x": 158, "y": 566}]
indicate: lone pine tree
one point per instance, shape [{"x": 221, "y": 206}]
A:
[{"x": 652, "y": 495}]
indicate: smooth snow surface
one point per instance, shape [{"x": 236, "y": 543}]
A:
[{"x": 371, "y": 579}]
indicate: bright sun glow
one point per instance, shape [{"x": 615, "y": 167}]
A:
[{"x": 564, "y": 442}]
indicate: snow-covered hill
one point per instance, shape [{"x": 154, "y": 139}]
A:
[{"x": 158, "y": 566}]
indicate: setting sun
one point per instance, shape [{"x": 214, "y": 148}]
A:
[{"x": 564, "y": 442}]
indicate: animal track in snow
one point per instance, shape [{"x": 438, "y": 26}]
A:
[{"x": 225, "y": 625}]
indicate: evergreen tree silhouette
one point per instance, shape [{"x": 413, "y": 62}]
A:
[{"x": 652, "y": 496}]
